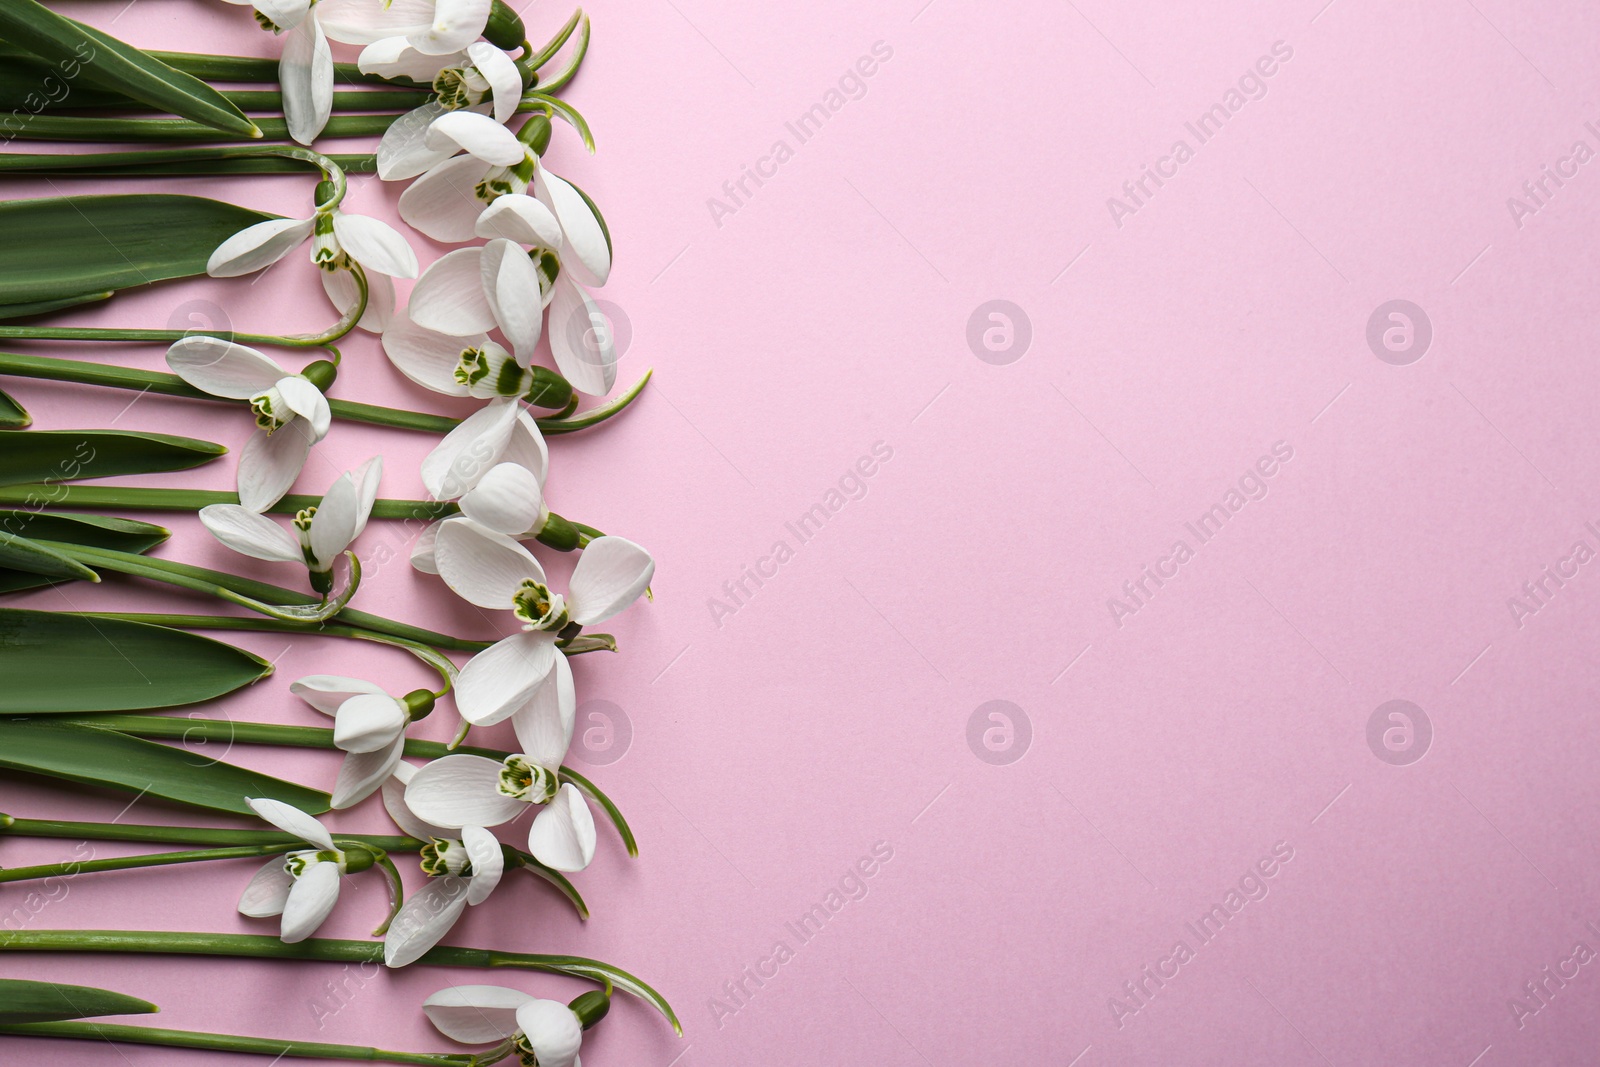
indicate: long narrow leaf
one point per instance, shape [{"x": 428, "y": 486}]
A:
[
  {"x": 25, "y": 1001},
  {"x": 70, "y": 455},
  {"x": 98, "y": 531},
  {"x": 57, "y": 248},
  {"x": 100, "y": 59},
  {"x": 13, "y": 416},
  {"x": 104, "y": 758},
  {"x": 56, "y": 663}
]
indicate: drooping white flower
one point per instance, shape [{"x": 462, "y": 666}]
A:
[
  {"x": 433, "y": 27},
  {"x": 305, "y": 71},
  {"x": 495, "y": 163},
  {"x": 481, "y": 78},
  {"x": 463, "y": 866},
  {"x": 470, "y": 291},
  {"x": 545, "y": 1032},
  {"x": 300, "y": 886},
  {"x": 471, "y": 365},
  {"x": 321, "y": 532},
  {"x": 291, "y": 412},
  {"x": 493, "y": 571},
  {"x": 478, "y": 791},
  {"x": 369, "y": 725},
  {"x": 502, "y": 431},
  {"x": 337, "y": 238}
]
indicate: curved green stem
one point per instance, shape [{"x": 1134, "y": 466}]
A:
[
  {"x": 163, "y": 727},
  {"x": 203, "y": 580},
  {"x": 149, "y": 498},
  {"x": 48, "y": 368},
  {"x": 73, "y": 868},
  {"x": 262, "y": 1046},
  {"x": 212, "y": 837},
  {"x": 262, "y": 946},
  {"x": 226, "y": 838}
]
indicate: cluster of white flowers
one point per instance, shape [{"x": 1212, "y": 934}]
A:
[{"x": 544, "y": 244}]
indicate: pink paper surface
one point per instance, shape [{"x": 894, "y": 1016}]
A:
[{"x": 833, "y": 310}]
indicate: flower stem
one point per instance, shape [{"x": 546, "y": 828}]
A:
[
  {"x": 263, "y": 1046},
  {"x": 218, "y": 583},
  {"x": 73, "y": 868},
  {"x": 164, "y": 727},
  {"x": 49, "y": 368},
  {"x": 168, "y": 162},
  {"x": 146, "y": 498},
  {"x": 213, "y": 837},
  {"x": 263, "y": 946}
]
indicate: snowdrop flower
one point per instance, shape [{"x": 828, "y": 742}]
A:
[
  {"x": 476, "y": 790},
  {"x": 322, "y": 532},
  {"x": 468, "y": 292},
  {"x": 466, "y": 791},
  {"x": 497, "y": 163},
  {"x": 369, "y": 725},
  {"x": 305, "y": 71},
  {"x": 290, "y": 410},
  {"x": 433, "y": 27},
  {"x": 471, "y": 365},
  {"x": 481, "y": 78},
  {"x": 301, "y": 886},
  {"x": 491, "y": 570},
  {"x": 543, "y": 1032},
  {"x": 501, "y": 432},
  {"x": 463, "y": 868},
  {"x": 337, "y": 240}
]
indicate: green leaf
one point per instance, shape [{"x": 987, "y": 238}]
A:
[
  {"x": 30, "y": 308},
  {"x": 13, "y": 416},
  {"x": 81, "y": 51},
  {"x": 53, "y": 663},
  {"x": 105, "y": 758},
  {"x": 77, "y": 247},
  {"x": 24, "y": 1001},
  {"x": 18, "y": 553},
  {"x": 99, "y": 531},
  {"x": 70, "y": 455}
]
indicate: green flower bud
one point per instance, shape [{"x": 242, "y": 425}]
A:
[
  {"x": 419, "y": 703},
  {"x": 321, "y": 374},
  {"x": 504, "y": 29},
  {"x": 590, "y": 1007}
]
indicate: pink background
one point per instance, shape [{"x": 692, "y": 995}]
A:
[{"x": 775, "y": 746}]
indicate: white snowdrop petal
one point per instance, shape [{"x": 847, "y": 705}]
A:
[
  {"x": 269, "y": 463},
  {"x": 257, "y": 246},
  {"x": 475, "y": 1014},
  {"x": 442, "y": 203},
  {"x": 483, "y": 567},
  {"x": 449, "y": 296},
  {"x": 580, "y": 338},
  {"x": 250, "y": 534},
  {"x": 610, "y": 575},
  {"x": 222, "y": 368},
  {"x": 326, "y": 692},
  {"x": 477, "y": 135},
  {"x": 291, "y": 820},
  {"x": 563, "y": 835},
  {"x": 460, "y": 790},
  {"x": 501, "y": 678},
  {"x": 488, "y": 862},
  {"x": 424, "y": 919},
  {"x": 507, "y": 500},
  {"x": 519, "y": 217},
  {"x": 268, "y": 891},
  {"x": 375, "y": 245},
  {"x": 311, "y": 899}
]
